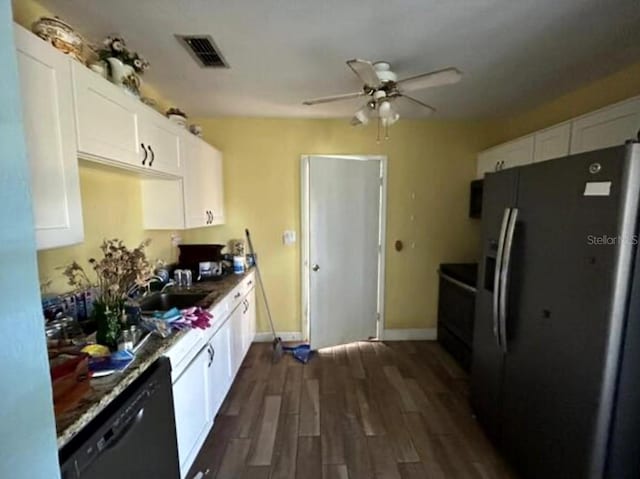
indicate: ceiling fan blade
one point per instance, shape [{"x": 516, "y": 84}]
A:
[
  {"x": 428, "y": 80},
  {"x": 365, "y": 71},
  {"x": 418, "y": 102},
  {"x": 327, "y": 99}
]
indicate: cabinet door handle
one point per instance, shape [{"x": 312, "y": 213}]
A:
[
  {"x": 146, "y": 154},
  {"x": 153, "y": 156},
  {"x": 212, "y": 353},
  {"x": 210, "y": 217},
  {"x": 250, "y": 283},
  {"x": 237, "y": 295}
]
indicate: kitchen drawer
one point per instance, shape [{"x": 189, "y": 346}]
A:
[
  {"x": 248, "y": 283},
  {"x": 181, "y": 353},
  {"x": 234, "y": 298}
]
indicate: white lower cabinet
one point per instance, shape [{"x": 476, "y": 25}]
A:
[
  {"x": 189, "y": 400},
  {"x": 249, "y": 320},
  {"x": 237, "y": 342},
  {"x": 204, "y": 364},
  {"x": 219, "y": 376}
]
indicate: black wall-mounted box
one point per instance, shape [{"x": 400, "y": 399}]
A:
[{"x": 475, "y": 199}]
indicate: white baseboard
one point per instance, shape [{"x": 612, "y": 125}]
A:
[
  {"x": 425, "y": 334},
  {"x": 267, "y": 337},
  {"x": 410, "y": 334}
]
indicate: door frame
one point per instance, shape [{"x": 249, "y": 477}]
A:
[{"x": 304, "y": 237}]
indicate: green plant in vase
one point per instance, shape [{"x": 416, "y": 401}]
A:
[{"x": 116, "y": 272}]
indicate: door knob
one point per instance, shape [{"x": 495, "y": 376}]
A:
[{"x": 315, "y": 267}]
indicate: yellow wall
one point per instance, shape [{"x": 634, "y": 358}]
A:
[
  {"x": 617, "y": 87},
  {"x": 434, "y": 159},
  {"x": 112, "y": 208}
]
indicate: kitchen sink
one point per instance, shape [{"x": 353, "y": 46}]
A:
[{"x": 167, "y": 301}]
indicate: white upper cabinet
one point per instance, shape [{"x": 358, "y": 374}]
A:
[
  {"x": 610, "y": 126},
  {"x": 195, "y": 202},
  {"x": 214, "y": 187},
  {"x": 607, "y": 127},
  {"x": 160, "y": 142},
  {"x": 47, "y": 108},
  {"x": 552, "y": 142},
  {"x": 195, "y": 182},
  {"x": 203, "y": 189},
  {"x": 515, "y": 153},
  {"x": 117, "y": 129},
  {"x": 107, "y": 120}
]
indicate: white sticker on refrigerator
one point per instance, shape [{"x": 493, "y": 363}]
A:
[{"x": 597, "y": 188}]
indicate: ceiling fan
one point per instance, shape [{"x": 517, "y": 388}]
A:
[{"x": 383, "y": 88}]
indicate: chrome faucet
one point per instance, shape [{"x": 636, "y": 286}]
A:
[{"x": 134, "y": 291}]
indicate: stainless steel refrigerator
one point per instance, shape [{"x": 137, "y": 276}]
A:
[{"x": 555, "y": 378}]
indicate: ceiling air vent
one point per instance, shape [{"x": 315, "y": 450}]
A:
[{"x": 203, "y": 49}]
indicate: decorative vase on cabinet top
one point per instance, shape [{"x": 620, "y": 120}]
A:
[{"x": 123, "y": 75}]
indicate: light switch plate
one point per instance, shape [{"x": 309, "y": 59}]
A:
[{"x": 289, "y": 237}]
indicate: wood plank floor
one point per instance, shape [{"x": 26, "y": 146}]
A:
[{"x": 368, "y": 410}]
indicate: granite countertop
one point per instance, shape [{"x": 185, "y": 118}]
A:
[{"x": 106, "y": 389}]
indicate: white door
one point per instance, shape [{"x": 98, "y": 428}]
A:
[
  {"x": 344, "y": 248},
  {"x": 47, "y": 112},
  {"x": 610, "y": 126}
]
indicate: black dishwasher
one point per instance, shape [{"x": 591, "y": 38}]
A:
[{"x": 134, "y": 437}]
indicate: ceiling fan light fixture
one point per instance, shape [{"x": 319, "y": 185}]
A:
[
  {"x": 390, "y": 121},
  {"x": 361, "y": 117},
  {"x": 385, "y": 110}
]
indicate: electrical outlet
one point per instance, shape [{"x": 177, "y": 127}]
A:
[
  {"x": 289, "y": 237},
  {"x": 176, "y": 239}
]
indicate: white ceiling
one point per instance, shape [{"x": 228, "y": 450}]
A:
[{"x": 514, "y": 53}]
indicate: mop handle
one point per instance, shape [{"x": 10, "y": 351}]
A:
[{"x": 260, "y": 283}]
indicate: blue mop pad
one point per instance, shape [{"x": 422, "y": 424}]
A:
[{"x": 302, "y": 352}]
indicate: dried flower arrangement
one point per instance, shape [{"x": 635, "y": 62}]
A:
[
  {"x": 116, "y": 47},
  {"x": 118, "y": 270}
]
